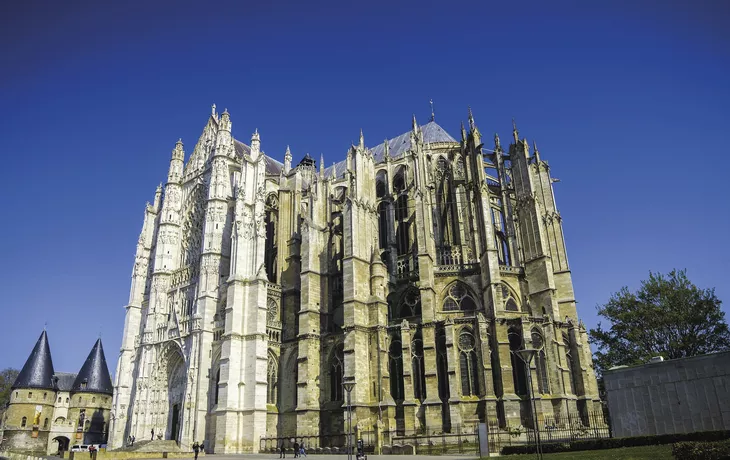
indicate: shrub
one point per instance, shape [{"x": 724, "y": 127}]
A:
[
  {"x": 701, "y": 450},
  {"x": 613, "y": 443}
]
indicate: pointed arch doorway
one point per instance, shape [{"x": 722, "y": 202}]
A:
[{"x": 174, "y": 377}]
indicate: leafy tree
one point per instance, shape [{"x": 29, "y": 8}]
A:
[
  {"x": 7, "y": 378},
  {"x": 668, "y": 316}
]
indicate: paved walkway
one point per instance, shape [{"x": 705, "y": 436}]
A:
[{"x": 332, "y": 457}]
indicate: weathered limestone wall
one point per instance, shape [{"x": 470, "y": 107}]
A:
[{"x": 677, "y": 396}]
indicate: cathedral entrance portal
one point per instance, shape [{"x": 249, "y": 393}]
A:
[{"x": 175, "y": 373}]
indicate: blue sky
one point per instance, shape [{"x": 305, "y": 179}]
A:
[{"x": 628, "y": 101}]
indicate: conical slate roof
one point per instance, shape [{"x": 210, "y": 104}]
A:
[
  {"x": 94, "y": 374},
  {"x": 38, "y": 370}
]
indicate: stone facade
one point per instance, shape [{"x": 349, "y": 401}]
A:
[
  {"x": 414, "y": 267},
  {"x": 676, "y": 396},
  {"x": 51, "y": 411}
]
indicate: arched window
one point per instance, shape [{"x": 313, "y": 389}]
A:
[
  {"x": 468, "y": 363},
  {"x": 410, "y": 304},
  {"x": 417, "y": 367},
  {"x": 500, "y": 235},
  {"x": 272, "y": 380},
  {"x": 337, "y": 372},
  {"x": 519, "y": 374},
  {"x": 217, "y": 385},
  {"x": 381, "y": 184},
  {"x": 93, "y": 400},
  {"x": 23, "y": 422},
  {"x": 399, "y": 180},
  {"x": 442, "y": 364},
  {"x": 45, "y": 423},
  {"x": 271, "y": 222},
  {"x": 44, "y": 396},
  {"x": 458, "y": 298},
  {"x": 538, "y": 343},
  {"x": 573, "y": 373},
  {"x": 59, "y": 421},
  {"x": 66, "y": 400},
  {"x": 395, "y": 367},
  {"x": 403, "y": 226},
  {"x": 383, "y": 225},
  {"x": 444, "y": 211}
]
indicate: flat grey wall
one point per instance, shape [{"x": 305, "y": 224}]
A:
[{"x": 674, "y": 396}]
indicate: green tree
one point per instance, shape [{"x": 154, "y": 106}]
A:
[
  {"x": 7, "y": 378},
  {"x": 667, "y": 316}
]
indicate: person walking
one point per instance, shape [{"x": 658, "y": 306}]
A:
[
  {"x": 302, "y": 451},
  {"x": 196, "y": 449},
  {"x": 296, "y": 449},
  {"x": 153, "y": 434},
  {"x": 282, "y": 452}
]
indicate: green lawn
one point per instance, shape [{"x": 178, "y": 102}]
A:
[{"x": 626, "y": 453}]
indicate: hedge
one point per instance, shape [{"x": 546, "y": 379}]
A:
[
  {"x": 701, "y": 450},
  {"x": 613, "y": 443}
]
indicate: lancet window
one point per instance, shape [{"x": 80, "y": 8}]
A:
[
  {"x": 271, "y": 221},
  {"x": 417, "y": 367},
  {"x": 538, "y": 343},
  {"x": 337, "y": 371},
  {"x": 458, "y": 298},
  {"x": 468, "y": 363},
  {"x": 395, "y": 368},
  {"x": 500, "y": 234},
  {"x": 272, "y": 380},
  {"x": 445, "y": 211},
  {"x": 573, "y": 372},
  {"x": 519, "y": 374}
]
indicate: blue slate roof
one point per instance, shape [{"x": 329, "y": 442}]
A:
[
  {"x": 94, "y": 374},
  {"x": 397, "y": 146},
  {"x": 37, "y": 371}
]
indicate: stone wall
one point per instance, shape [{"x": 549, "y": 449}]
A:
[{"x": 677, "y": 396}]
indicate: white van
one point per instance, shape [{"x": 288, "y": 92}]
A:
[{"x": 80, "y": 448}]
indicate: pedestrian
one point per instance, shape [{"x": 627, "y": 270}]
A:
[
  {"x": 153, "y": 434},
  {"x": 282, "y": 452},
  {"x": 301, "y": 449},
  {"x": 296, "y": 449},
  {"x": 196, "y": 449},
  {"x": 134, "y": 438}
]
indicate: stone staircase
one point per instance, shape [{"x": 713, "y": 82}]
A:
[{"x": 153, "y": 446}]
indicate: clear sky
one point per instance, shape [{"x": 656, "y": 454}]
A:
[{"x": 629, "y": 101}]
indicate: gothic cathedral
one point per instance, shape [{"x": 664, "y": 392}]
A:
[{"x": 413, "y": 269}]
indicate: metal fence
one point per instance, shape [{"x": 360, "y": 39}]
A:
[{"x": 460, "y": 439}]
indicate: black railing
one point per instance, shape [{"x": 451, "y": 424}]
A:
[{"x": 461, "y": 439}]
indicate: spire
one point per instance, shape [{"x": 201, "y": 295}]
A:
[
  {"x": 415, "y": 124},
  {"x": 255, "y": 144},
  {"x": 321, "y": 165},
  {"x": 287, "y": 160},
  {"x": 471, "y": 120},
  {"x": 497, "y": 144},
  {"x": 463, "y": 131},
  {"x": 38, "y": 369},
  {"x": 362, "y": 140},
  {"x": 433, "y": 116},
  {"x": 515, "y": 133},
  {"x": 537, "y": 153},
  {"x": 212, "y": 111},
  {"x": 94, "y": 374},
  {"x": 225, "y": 121}
]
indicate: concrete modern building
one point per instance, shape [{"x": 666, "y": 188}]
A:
[
  {"x": 413, "y": 268},
  {"x": 675, "y": 396},
  {"x": 50, "y": 411}
]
